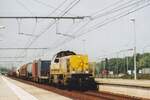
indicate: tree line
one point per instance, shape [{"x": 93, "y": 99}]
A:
[{"x": 122, "y": 65}]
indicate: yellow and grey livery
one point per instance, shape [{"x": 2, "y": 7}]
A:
[{"x": 72, "y": 70}]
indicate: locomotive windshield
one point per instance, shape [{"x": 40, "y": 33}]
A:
[{"x": 64, "y": 53}]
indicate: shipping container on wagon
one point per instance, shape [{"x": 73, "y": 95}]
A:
[
  {"x": 43, "y": 69},
  {"x": 29, "y": 71},
  {"x": 34, "y": 71},
  {"x": 23, "y": 71}
]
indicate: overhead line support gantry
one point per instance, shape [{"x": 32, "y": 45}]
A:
[{"x": 39, "y": 17}]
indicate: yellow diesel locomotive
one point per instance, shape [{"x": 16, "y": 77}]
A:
[{"x": 71, "y": 70}]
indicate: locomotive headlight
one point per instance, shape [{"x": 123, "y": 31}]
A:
[
  {"x": 86, "y": 71},
  {"x": 73, "y": 72}
]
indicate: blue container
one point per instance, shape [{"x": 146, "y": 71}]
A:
[{"x": 43, "y": 69}]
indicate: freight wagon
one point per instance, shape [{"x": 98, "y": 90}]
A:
[
  {"x": 43, "y": 70},
  {"x": 66, "y": 69},
  {"x": 23, "y": 71},
  {"x": 29, "y": 71},
  {"x": 34, "y": 71}
]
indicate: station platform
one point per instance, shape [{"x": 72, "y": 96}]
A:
[
  {"x": 5, "y": 92},
  {"x": 136, "y": 88},
  {"x": 127, "y": 82},
  {"x": 14, "y": 90}
]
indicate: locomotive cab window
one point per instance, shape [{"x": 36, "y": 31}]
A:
[{"x": 56, "y": 61}]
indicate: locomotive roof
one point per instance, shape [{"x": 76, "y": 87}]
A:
[{"x": 65, "y": 53}]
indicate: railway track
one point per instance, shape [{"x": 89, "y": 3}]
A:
[{"x": 82, "y": 95}]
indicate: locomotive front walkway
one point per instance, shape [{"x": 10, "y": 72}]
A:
[{"x": 13, "y": 90}]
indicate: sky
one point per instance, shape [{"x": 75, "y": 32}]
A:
[{"x": 105, "y": 41}]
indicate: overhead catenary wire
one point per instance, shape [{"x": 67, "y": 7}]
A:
[
  {"x": 30, "y": 41},
  {"x": 86, "y": 24},
  {"x": 122, "y": 16},
  {"x": 48, "y": 25},
  {"x": 24, "y": 6},
  {"x": 107, "y": 7},
  {"x": 118, "y": 16},
  {"x": 50, "y": 6},
  {"x": 67, "y": 10},
  {"x": 33, "y": 31},
  {"x": 45, "y": 4},
  {"x": 59, "y": 6},
  {"x": 120, "y": 7},
  {"x": 112, "y": 20},
  {"x": 66, "y": 40},
  {"x": 71, "y": 5},
  {"x": 111, "y": 11},
  {"x": 114, "y": 6},
  {"x": 91, "y": 19}
]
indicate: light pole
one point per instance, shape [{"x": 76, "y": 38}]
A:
[
  {"x": 127, "y": 64},
  {"x": 135, "y": 76}
]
